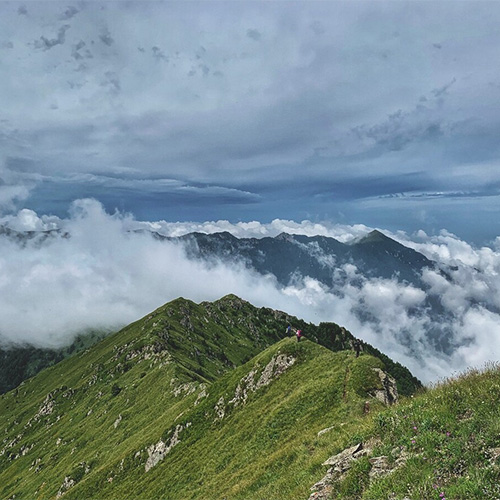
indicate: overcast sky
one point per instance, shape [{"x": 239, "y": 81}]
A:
[{"x": 385, "y": 114}]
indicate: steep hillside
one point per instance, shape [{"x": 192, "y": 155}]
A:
[
  {"x": 443, "y": 445},
  {"x": 245, "y": 436},
  {"x": 19, "y": 362},
  {"x": 167, "y": 408}
]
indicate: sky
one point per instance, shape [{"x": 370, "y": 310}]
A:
[
  {"x": 385, "y": 114},
  {"x": 321, "y": 117}
]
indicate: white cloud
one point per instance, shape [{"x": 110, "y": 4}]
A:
[
  {"x": 255, "y": 229},
  {"x": 105, "y": 276},
  {"x": 28, "y": 220}
]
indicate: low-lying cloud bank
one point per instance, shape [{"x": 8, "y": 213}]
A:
[{"x": 106, "y": 275}]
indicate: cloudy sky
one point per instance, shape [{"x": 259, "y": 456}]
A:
[
  {"x": 318, "y": 117},
  {"x": 384, "y": 114}
]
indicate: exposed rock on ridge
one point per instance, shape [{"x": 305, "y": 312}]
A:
[
  {"x": 278, "y": 365},
  {"x": 340, "y": 464},
  {"x": 389, "y": 392},
  {"x": 158, "y": 451}
]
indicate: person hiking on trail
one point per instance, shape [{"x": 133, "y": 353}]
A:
[
  {"x": 298, "y": 334},
  {"x": 356, "y": 344},
  {"x": 288, "y": 330}
]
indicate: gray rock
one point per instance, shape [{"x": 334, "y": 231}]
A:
[
  {"x": 388, "y": 394},
  {"x": 340, "y": 464},
  {"x": 158, "y": 451}
]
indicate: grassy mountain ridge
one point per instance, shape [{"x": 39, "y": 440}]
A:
[
  {"x": 135, "y": 416},
  {"x": 103, "y": 453},
  {"x": 74, "y": 428},
  {"x": 183, "y": 325},
  {"x": 237, "y": 446}
]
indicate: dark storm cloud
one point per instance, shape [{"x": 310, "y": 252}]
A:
[
  {"x": 444, "y": 89},
  {"x": 106, "y": 38},
  {"x": 121, "y": 193},
  {"x": 111, "y": 82},
  {"x": 21, "y": 165},
  {"x": 369, "y": 186},
  {"x": 45, "y": 43},
  {"x": 158, "y": 54},
  {"x": 78, "y": 53}
]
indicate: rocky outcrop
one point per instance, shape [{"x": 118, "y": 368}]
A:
[
  {"x": 388, "y": 394},
  {"x": 274, "y": 369},
  {"x": 47, "y": 406},
  {"x": 185, "y": 389},
  {"x": 65, "y": 486},
  {"x": 70, "y": 481},
  {"x": 340, "y": 464},
  {"x": 324, "y": 431},
  {"x": 251, "y": 382},
  {"x": 117, "y": 421},
  {"x": 202, "y": 394},
  {"x": 157, "y": 452},
  {"x": 220, "y": 409}
]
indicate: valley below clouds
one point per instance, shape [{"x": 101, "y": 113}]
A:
[{"x": 93, "y": 270}]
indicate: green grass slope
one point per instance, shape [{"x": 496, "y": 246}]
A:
[
  {"x": 251, "y": 434},
  {"x": 138, "y": 376},
  {"x": 194, "y": 401},
  {"x": 451, "y": 436},
  {"x": 19, "y": 362}
]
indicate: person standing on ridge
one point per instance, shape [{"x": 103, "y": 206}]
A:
[
  {"x": 288, "y": 330},
  {"x": 298, "y": 334},
  {"x": 357, "y": 347}
]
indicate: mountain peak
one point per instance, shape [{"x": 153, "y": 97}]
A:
[
  {"x": 285, "y": 237},
  {"x": 232, "y": 300},
  {"x": 374, "y": 236}
]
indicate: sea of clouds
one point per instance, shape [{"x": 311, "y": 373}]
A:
[{"x": 107, "y": 274}]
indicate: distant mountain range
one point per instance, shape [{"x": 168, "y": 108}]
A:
[
  {"x": 287, "y": 256},
  {"x": 292, "y": 257},
  {"x": 322, "y": 258},
  {"x": 36, "y": 237}
]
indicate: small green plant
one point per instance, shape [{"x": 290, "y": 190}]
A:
[{"x": 115, "y": 389}]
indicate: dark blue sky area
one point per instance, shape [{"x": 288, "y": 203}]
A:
[{"x": 385, "y": 114}]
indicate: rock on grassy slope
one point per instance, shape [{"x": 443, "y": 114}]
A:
[
  {"x": 443, "y": 444},
  {"x": 193, "y": 401}
]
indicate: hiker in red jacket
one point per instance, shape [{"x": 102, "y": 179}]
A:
[{"x": 298, "y": 334}]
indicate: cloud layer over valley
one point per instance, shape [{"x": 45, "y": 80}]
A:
[{"x": 105, "y": 275}]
